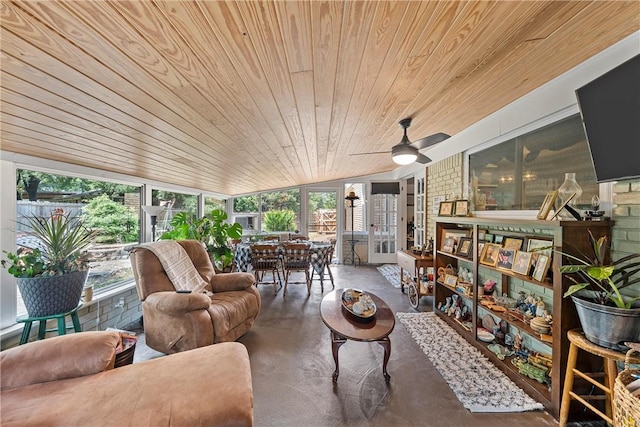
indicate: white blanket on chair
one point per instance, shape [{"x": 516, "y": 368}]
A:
[{"x": 177, "y": 265}]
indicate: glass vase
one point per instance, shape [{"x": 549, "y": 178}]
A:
[{"x": 568, "y": 188}]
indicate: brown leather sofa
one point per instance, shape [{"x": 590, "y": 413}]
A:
[
  {"x": 176, "y": 322},
  {"x": 70, "y": 381}
]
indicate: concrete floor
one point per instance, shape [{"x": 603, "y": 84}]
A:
[{"x": 291, "y": 364}]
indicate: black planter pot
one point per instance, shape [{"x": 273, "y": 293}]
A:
[
  {"x": 46, "y": 296},
  {"x": 608, "y": 326}
]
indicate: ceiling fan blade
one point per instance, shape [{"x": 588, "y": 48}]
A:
[
  {"x": 371, "y": 152},
  {"x": 422, "y": 158},
  {"x": 430, "y": 140}
]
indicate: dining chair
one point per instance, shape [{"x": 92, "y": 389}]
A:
[
  {"x": 296, "y": 258},
  {"x": 233, "y": 245},
  {"x": 266, "y": 259},
  {"x": 296, "y": 236},
  {"x": 322, "y": 263}
]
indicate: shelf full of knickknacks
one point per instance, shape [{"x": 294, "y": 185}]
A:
[{"x": 495, "y": 285}]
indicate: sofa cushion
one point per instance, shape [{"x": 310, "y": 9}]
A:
[
  {"x": 54, "y": 359},
  {"x": 203, "y": 387}
]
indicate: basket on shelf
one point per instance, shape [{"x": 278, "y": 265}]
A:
[{"x": 626, "y": 406}]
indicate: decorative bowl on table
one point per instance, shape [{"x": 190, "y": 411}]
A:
[{"x": 358, "y": 303}]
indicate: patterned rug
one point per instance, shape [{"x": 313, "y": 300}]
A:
[
  {"x": 391, "y": 272},
  {"x": 477, "y": 383}
]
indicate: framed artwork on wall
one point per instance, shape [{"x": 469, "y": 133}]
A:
[
  {"x": 465, "y": 247},
  {"x": 490, "y": 254},
  {"x": 542, "y": 265},
  {"x": 514, "y": 243}
]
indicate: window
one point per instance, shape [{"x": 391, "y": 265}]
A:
[
  {"x": 109, "y": 207},
  {"x": 211, "y": 203},
  {"x": 518, "y": 173},
  {"x": 280, "y": 210},
  {"x": 175, "y": 202}
]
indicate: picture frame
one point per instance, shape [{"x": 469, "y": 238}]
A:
[
  {"x": 521, "y": 262},
  {"x": 461, "y": 208},
  {"x": 542, "y": 265},
  {"x": 490, "y": 254},
  {"x": 446, "y": 208},
  {"x": 514, "y": 243},
  {"x": 540, "y": 246},
  {"x": 565, "y": 203},
  {"x": 505, "y": 258},
  {"x": 456, "y": 234},
  {"x": 488, "y": 237},
  {"x": 480, "y": 248},
  {"x": 481, "y": 234},
  {"x": 498, "y": 239},
  {"x": 448, "y": 245},
  {"x": 451, "y": 280},
  {"x": 547, "y": 204},
  {"x": 465, "y": 246}
]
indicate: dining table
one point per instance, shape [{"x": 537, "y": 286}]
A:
[{"x": 319, "y": 255}]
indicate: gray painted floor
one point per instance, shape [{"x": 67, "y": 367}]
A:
[{"x": 291, "y": 364}]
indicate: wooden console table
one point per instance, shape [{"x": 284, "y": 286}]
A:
[{"x": 417, "y": 265}]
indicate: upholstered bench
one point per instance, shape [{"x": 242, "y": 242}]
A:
[{"x": 70, "y": 381}]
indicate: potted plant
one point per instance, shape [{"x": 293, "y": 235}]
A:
[
  {"x": 212, "y": 230},
  {"x": 51, "y": 277},
  {"x": 608, "y": 317}
]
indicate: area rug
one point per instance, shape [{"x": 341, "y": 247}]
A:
[
  {"x": 477, "y": 383},
  {"x": 391, "y": 272}
]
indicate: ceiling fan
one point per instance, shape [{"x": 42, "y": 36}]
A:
[{"x": 407, "y": 152}]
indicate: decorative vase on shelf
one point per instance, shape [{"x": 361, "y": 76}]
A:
[{"x": 568, "y": 188}]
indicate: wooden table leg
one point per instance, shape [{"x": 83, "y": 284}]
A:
[
  {"x": 401, "y": 281},
  {"x": 336, "y": 343},
  {"x": 386, "y": 344},
  {"x": 568, "y": 384}
]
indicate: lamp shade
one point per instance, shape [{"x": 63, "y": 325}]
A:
[
  {"x": 153, "y": 210},
  {"x": 404, "y": 154}
]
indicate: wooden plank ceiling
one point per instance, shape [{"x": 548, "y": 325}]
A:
[{"x": 234, "y": 97}]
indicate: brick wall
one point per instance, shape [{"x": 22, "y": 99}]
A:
[
  {"x": 626, "y": 230},
  {"x": 443, "y": 179}
]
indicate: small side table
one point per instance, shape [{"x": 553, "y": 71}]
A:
[
  {"x": 42, "y": 324},
  {"x": 609, "y": 357}
]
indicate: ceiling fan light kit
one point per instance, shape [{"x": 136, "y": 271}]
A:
[{"x": 404, "y": 154}]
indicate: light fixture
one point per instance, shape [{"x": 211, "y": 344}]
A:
[
  {"x": 351, "y": 198},
  {"x": 403, "y": 153},
  {"x": 153, "y": 212}
]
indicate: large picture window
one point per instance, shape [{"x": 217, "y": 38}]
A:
[
  {"x": 111, "y": 208},
  {"x": 518, "y": 173}
]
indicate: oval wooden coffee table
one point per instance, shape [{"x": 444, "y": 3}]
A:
[{"x": 345, "y": 326}]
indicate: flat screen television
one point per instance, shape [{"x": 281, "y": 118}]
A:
[{"x": 610, "y": 109}]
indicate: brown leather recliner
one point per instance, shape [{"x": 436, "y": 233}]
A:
[{"x": 176, "y": 322}]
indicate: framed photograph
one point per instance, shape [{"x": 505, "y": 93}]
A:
[
  {"x": 542, "y": 265},
  {"x": 547, "y": 204},
  {"x": 465, "y": 246},
  {"x": 505, "y": 258},
  {"x": 461, "y": 208},
  {"x": 456, "y": 234},
  {"x": 488, "y": 237},
  {"x": 540, "y": 246},
  {"x": 450, "y": 280},
  {"x": 498, "y": 239},
  {"x": 446, "y": 208},
  {"x": 514, "y": 243},
  {"x": 480, "y": 248},
  {"x": 521, "y": 262},
  {"x": 448, "y": 245},
  {"x": 490, "y": 254},
  {"x": 481, "y": 234},
  {"x": 565, "y": 203}
]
